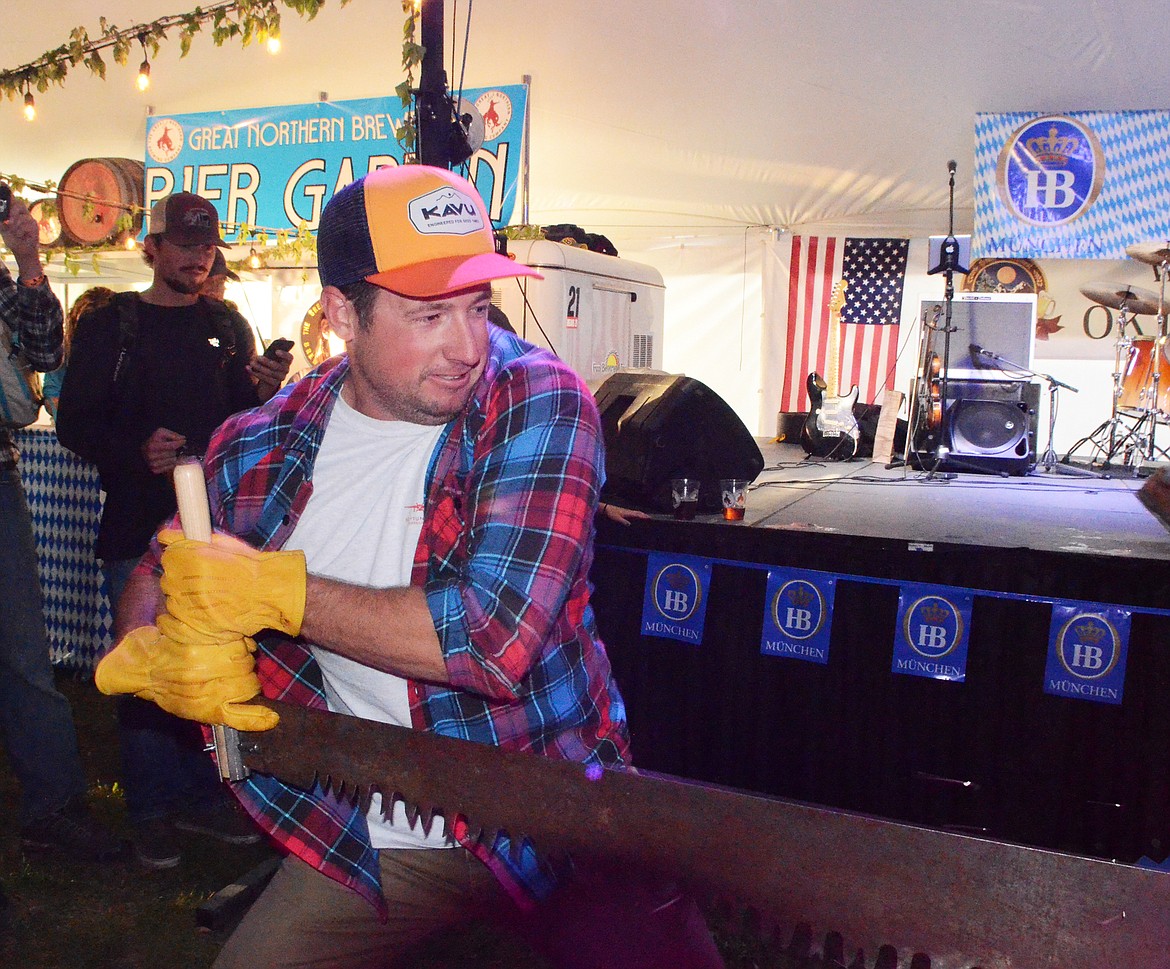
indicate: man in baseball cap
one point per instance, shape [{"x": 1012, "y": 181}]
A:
[
  {"x": 217, "y": 278},
  {"x": 186, "y": 219},
  {"x": 414, "y": 230},
  {"x": 425, "y": 503}
]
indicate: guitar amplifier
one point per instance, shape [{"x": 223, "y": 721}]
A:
[{"x": 987, "y": 426}]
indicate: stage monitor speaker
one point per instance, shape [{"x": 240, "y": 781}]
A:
[
  {"x": 991, "y": 425},
  {"x": 660, "y": 426}
]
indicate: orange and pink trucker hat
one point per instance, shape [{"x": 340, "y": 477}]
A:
[{"x": 413, "y": 229}]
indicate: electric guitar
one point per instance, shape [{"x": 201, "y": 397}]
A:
[{"x": 830, "y": 430}]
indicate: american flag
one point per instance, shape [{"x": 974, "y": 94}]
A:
[{"x": 874, "y": 270}]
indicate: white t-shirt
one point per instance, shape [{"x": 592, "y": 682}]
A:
[{"x": 361, "y": 526}]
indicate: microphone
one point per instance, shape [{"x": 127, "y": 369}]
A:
[
  {"x": 951, "y": 166},
  {"x": 975, "y": 349}
]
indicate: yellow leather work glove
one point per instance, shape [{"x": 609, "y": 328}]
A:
[
  {"x": 226, "y": 588},
  {"x": 206, "y": 682}
]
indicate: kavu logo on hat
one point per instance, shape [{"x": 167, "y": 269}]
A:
[
  {"x": 446, "y": 210},
  {"x": 413, "y": 229}
]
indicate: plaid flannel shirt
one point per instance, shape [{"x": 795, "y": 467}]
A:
[
  {"x": 504, "y": 557},
  {"x": 34, "y": 315}
]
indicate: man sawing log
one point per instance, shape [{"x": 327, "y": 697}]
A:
[{"x": 405, "y": 534}]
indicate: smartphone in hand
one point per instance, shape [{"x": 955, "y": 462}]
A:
[
  {"x": 282, "y": 343},
  {"x": 5, "y": 201}
]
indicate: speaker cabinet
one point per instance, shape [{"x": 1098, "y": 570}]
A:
[
  {"x": 988, "y": 426},
  {"x": 660, "y": 426}
]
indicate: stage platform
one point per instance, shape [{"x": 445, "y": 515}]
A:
[
  {"x": 997, "y": 751},
  {"x": 1065, "y": 510}
]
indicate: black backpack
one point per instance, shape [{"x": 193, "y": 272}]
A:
[{"x": 126, "y": 305}]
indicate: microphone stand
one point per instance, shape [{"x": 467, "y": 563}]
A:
[
  {"x": 948, "y": 264},
  {"x": 1049, "y": 463}
]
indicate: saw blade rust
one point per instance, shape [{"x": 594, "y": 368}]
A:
[{"x": 965, "y": 901}]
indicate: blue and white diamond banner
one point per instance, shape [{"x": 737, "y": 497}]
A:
[
  {"x": 931, "y": 636},
  {"x": 1082, "y": 185},
  {"x": 64, "y": 500},
  {"x": 674, "y": 602},
  {"x": 799, "y": 614},
  {"x": 1087, "y": 647}
]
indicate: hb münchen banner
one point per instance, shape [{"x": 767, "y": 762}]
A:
[
  {"x": 1082, "y": 185},
  {"x": 276, "y": 167},
  {"x": 1088, "y": 641}
]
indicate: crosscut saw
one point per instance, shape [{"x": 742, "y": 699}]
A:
[{"x": 963, "y": 901}]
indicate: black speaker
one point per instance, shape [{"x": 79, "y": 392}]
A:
[
  {"x": 661, "y": 426},
  {"x": 988, "y": 425}
]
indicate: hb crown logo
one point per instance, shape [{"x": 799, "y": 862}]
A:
[
  {"x": 677, "y": 592},
  {"x": 933, "y": 626},
  {"x": 1050, "y": 171},
  {"x": 798, "y": 609},
  {"x": 1088, "y": 647}
]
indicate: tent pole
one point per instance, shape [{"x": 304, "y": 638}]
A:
[{"x": 524, "y": 156}]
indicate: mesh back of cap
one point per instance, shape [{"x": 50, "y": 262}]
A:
[{"x": 345, "y": 253}]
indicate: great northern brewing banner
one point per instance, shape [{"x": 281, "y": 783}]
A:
[
  {"x": 276, "y": 167},
  {"x": 1081, "y": 185}
]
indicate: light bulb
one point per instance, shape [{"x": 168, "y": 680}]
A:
[
  {"x": 30, "y": 107},
  {"x": 273, "y": 43},
  {"x": 131, "y": 243},
  {"x": 144, "y": 75},
  {"x": 254, "y": 260}
]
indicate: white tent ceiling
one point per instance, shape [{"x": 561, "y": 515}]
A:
[
  {"x": 679, "y": 129},
  {"x": 656, "y": 118}
]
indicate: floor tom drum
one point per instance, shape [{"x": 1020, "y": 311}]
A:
[{"x": 1137, "y": 387}]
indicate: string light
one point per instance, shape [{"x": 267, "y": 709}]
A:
[
  {"x": 144, "y": 69},
  {"x": 130, "y": 243},
  {"x": 30, "y": 105},
  {"x": 242, "y": 19},
  {"x": 254, "y": 261}
]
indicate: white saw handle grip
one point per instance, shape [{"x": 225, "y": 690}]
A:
[
  {"x": 195, "y": 519},
  {"x": 191, "y": 492}
]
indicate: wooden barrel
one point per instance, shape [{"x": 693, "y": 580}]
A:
[
  {"x": 94, "y": 194},
  {"x": 48, "y": 225}
]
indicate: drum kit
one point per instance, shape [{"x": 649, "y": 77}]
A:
[{"x": 1141, "y": 371}]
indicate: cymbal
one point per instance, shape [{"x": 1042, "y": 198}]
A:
[
  {"x": 1155, "y": 253},
  {"x": 1134, "y": 299}
]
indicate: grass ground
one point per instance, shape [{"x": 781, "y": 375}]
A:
[{"x": 126, "y": 917}]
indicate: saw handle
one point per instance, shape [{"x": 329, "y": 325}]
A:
[{"x": 195, "y": 520}]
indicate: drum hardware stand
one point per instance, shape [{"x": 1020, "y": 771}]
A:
[{"x": 1105, "y": 438}]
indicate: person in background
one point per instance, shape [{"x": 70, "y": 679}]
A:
[
  {"x": 1155, "y": 495},
  {"x": 425, "y": 502},
  {"x": 92, "y": 299},
  {"x": 151, "y": 375},
  {"x": 37, "y": 724},
  {"x": 217, "y": 279}
]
